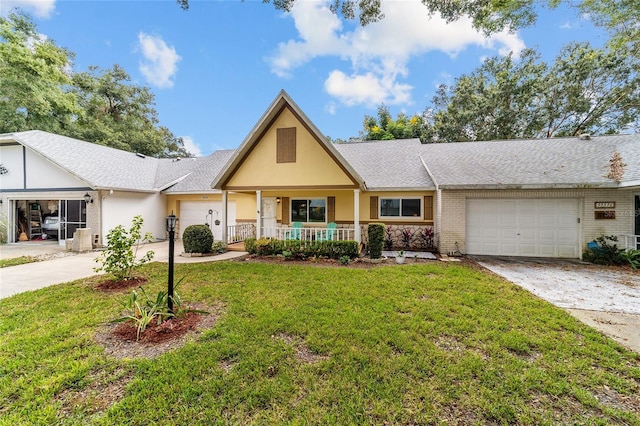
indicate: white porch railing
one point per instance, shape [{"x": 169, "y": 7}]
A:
[
  {"x": 630, "y": 241},
  {"x": 308, "y": 234},
  {"x": 237, "y": 233}
]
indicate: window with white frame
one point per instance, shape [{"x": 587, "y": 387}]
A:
[
  {"x": 309, "y": 210},
  {"x": 400, "y": 207}
]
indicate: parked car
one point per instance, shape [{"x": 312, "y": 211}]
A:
[{"x": 51, "y": 226}]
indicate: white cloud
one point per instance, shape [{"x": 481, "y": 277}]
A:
[
  {"x": 378, "y": 53},
  {"x": 191, "y": 146},
  {"x": 38, "y": 8},
  {"x": 160, "y": 62},
  {"x": 331, "y": 108},
  {"x": 368, "y": 89}
]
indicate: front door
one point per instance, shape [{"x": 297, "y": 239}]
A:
[{"x": 269, "y": 222}]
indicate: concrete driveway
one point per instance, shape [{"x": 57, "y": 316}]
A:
[
  {"x": 63, "y": 266},
  {"x": 605, "y": 298}
]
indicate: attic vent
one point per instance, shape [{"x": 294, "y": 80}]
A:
[
  {"x": 140, "y": 155},
  {"x": 585, "y": 136},
  {"x": 177, "y": 159}
]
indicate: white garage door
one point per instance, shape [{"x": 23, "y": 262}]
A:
[
  {"x": 536, "y": 227},
  {"x": 197, "y": 213}
]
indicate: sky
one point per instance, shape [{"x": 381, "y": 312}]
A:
[{"x": 215, "y": 69}]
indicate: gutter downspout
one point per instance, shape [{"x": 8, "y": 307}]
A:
[{"x": 438, "y": 219}]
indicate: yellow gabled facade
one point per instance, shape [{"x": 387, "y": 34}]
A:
[{"x": 314, "y": 166}]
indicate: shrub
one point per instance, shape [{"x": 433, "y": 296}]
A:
[
  {"x": 295, "y": 249},
  {"x": 632, "y": 256},
  {"x": 376, "y": 239},
  {"x": 197, "y": 239},
  {"x": 426, "y": 236},
  {"x": 219, "y": 247},
  {"x": 607, "y": 252},
  {"x": 407, "y": 238},
  {"x": 388, "y": 239},
  {"x": 119, "y": 258}
]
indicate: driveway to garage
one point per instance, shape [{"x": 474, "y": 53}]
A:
[{"x": 605, "y": 298}]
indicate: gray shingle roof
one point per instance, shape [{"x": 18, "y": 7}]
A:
[
  {"x": 561, "y": 162},
  {"x": 203, "y": 171},
  {"x": 382, "y": 165},
  {"x": 388, "y": 164},
  {"x": 108, "y": 168}
]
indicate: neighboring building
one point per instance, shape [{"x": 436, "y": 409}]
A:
[
  {"x": 51, "y": 175},
  {"x": 543, "y": 198}
]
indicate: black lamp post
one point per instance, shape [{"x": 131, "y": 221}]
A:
[{"x": 172, "y": 221}]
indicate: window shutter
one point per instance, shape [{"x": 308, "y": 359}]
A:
[
  {"x": 428, "y": 207},
  {"x": 373, "y": 207},
  {"x": 286, "y": 145},
  {"x": 285, "y": 211},
  {"x": 331, "y": 209}
]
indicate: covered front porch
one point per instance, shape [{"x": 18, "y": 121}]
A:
[{"x": 306, "y": 215}]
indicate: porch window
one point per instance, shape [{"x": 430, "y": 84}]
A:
[
  {"x": 400, "y": 207},
  {"x": 309, "y": 210}
]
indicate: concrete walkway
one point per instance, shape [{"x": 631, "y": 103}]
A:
[{"x": 36, "y": 275}]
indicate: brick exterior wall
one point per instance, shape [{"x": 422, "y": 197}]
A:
[{"x": 452, "y": 211}]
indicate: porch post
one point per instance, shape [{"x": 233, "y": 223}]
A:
[
  {"x": 356, "y": 215},
  {"x": 259, "y": 214},
  {"x": 225, "y": 236}
]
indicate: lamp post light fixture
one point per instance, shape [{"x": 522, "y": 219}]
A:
[{"x": 172, "y": 221}]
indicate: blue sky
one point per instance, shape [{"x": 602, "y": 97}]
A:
[{"x": 215, "y": 68}]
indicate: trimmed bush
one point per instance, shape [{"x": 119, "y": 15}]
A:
[
  {"x": 197, "y": 239},
  {"x": 607, "y": 252},
  {"x": 295, "y": 249},
  {"x": 376, "y": 233}
]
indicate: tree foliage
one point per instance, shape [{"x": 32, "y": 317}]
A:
[
  {"x": 384, "y": 127},
  {"x": 40, "y": 91},
  {"x": 585, "y": 90},
  {"x": 112, "y": 107},
  {"x": 34, "y": 75}
]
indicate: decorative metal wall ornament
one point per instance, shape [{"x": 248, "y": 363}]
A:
[{"x": 3, "y": 169}]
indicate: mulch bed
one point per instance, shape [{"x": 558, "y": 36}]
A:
[
  {"x": 154, "y": 333},
  {"x": 119, "y": 340},
  {"x": 114, "y": 286}
]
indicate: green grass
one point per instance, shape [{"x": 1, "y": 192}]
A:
[
  {"x": 17, "y": 261},
  {"x": 417, "y": 344}
]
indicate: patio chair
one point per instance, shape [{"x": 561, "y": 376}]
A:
[
  {"x": 294, "y": 232},
  {"x": 327, "y": 234}
]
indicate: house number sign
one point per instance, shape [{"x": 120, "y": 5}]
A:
[{"x": 605, "y": 204}]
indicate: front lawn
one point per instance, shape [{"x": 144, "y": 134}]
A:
[{"x": 413, "y": 344}]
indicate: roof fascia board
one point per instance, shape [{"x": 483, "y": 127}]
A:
[
  {"x": 431, "y": 176},
  {"x": 401, "y": 189},
  {"x": 534, "y": 186},
  {"x": 173, "y": 182},
  {"x": 629, "y": 184}
]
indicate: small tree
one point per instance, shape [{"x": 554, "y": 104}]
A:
[{"x": 120, "y": 256}]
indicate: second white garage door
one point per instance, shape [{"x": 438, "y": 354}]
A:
[
  {"x": 536, "y": 227},
  {"x": 197, "y": 213}
]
